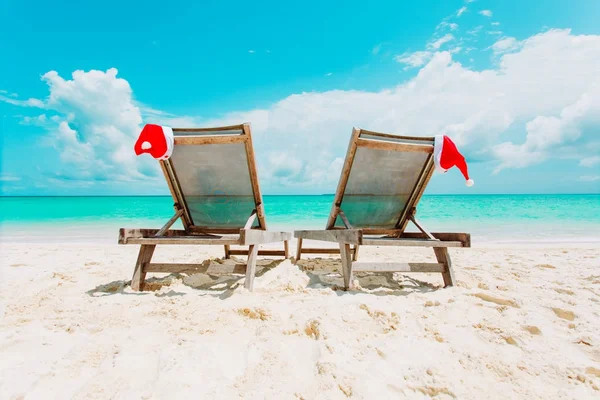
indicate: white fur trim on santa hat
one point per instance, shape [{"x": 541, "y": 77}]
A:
[
  {"x": 470, "y": 182},
  {"x": 168, "y": 132},
  {"x": 438, "y": 147}
]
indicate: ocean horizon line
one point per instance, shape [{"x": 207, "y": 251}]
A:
[{"x": 307, "y": 195}]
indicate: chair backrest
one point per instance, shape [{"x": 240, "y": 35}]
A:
[
  {"x": 382, "y": 180},
  {"x": 212, "y": 177}
]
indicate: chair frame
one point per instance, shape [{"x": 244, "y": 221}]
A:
[
  {"x": 350, "y": 239},
  {"x": 199, "y": 235}
]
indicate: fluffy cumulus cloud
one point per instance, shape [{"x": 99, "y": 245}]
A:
[
  {"x": 540, "y": 100},
  {"x": 93, "y": 126}
]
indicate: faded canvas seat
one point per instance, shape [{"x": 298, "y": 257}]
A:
[
  {"x": 382, "y": 181},
  {"x": 213, "y": 180}
]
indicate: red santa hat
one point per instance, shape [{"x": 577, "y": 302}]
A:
[
  {"x": 446, "y": 156},
  {"x": 155, "y": 140}
]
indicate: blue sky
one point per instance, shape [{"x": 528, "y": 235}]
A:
[{"x": 515, "y": 84}]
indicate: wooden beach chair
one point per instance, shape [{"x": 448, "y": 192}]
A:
[
  {"x": 382, "y": 181},
  {"x": 213, "y": 180}
]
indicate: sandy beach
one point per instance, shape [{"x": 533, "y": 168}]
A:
[{"x": 521, "y": 323}]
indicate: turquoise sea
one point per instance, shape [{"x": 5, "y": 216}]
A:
[{"x": 489, "y": 218}]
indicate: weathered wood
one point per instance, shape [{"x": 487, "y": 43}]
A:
[
  {"x": 260, "y": 252},
  {"x": 209, "y": 139},
  {"x": 139, "y": 272},
  {"x": 350, "y": 236},
  {"x": 393, "y": 136},
  {"x": 339, "y": 193},
  {"x": 169, "y": 223},
  {"x": 176, "y": 193},
  {"x": 203, "y": 230},
  {"x": 251, "y": 267},
  {"x": 346, "y": 264},
  {"x": 298, "y": 248},
  {"x": 257, "y": 236},
  {"x": 251, "y": 219},
  {"x": 345, "y": 220},
  {"x": 381, "y": 231},
  {"x": 394, "y": 146},
  {"x": 218, "y": 128},
  {"x": 410, "y": 242},
  {"x": 189, "y": 221},
  {"x": 227, "y": 251},
  {"x": 312, "y": 250},
  {"x": 286, "y": 249},
  {"x": 464, "y": 238},
  {"x": 254, "y": 177},
  {"x": 443, "y": 257},
  {"x": 397, "y": 267},
  {"x": 355, "y": 251},
  {"x": 212, "y": 268},
  {"x": 417, "y": 193},
  {"x": 147, "y": 236},
  {"x": 421, "y": 228}
]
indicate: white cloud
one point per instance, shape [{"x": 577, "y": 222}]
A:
[
  {"x": 590, "y": 178},
  {"x": 475, "y": 30},
  {"x": 447, "y": 25},
  {"x": 495, "y": 23},
  {"x": 494, "y": 33},
  {"x": 251, "y": 51},
  {"x": 329, "y": 74},
  {"x": 590, "y": 161},
  {"x": 505, "y": 45},
  {"x": 415, "y": 59},
  {"x": 546, "y": 91},
  {"x": 461, "y": 11},
  {"x": 486, "y": 13},
  {"x": 9, "y": 178},
  {"x": 22, "y": 103},
  {"x": 435, "y": 45},
  {"x": 376, "y": 49}
]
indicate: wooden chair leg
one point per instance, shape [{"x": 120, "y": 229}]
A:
[
  {"x": 227, "y": 255},
  {"x": 286, "y": 249},
  {"x": 251, "y": 267},
  {"x": 139, "y": 273},
  {"x": 355, "y": 255},
  {"x": 299, "y": 249},
  {"x": 443, "y": 257},
  {"x": 346, "y": 264}
]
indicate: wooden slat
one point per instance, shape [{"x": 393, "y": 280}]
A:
[
  {"x": 286, "y": 249},
  {"x": 410, "y": 242},
  {"x": 251, "y": 267},
  {"x": 417, "y": 193},
  {"x": 392, "y": 136},
  {"x": 311, "y": 250},
  {"x": 464, "y": 238},
  {"x": 189, "y": 221},
  {"x": 250, "y": 220},
  {"x": 260, "y": 252},
  {"x": 204, "y": 140},
  {"x": 213, "y": 268},
  {"x": 397, "y": 267},
  {"x": 257, "y": 236},
  {"x": 347, "y": 264},
  {"x": 254, "y": 177},
  {"x": 218, "y": 128},
  {"x": 339, "y": 193},
  {"x": 147, "y": 236},
  {"x": 169, "y": 223},
  {"x": 345, "y": 219},
  {"x": 381, "y": 231},
  {"x": 350, "y": 236},
  {"x": 176, "y": 193},
  {"x": 393, "y": 146},
  {"x": 298, "y": 249},
  {"x": 204, "y": 230},
  {"x": 443, "y": 257},
  {"x": 141, "y": 267}
]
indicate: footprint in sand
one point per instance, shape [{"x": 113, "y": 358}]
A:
[
  {"x": 564, "y": 314},
  {"x": 497, "y": 300},
  {"x": 534, "y": 330}
]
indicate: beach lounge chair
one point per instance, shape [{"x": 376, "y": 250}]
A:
[
  {"x": 212, "y": 178},
  {"x": 382, "y": 181}
]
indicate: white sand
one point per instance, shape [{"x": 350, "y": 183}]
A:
[{"x": 520, "y": 324}]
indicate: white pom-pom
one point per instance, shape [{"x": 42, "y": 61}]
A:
[
  {"x": 146, "y": 146},
  {"x": 470, "y": 182}
]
